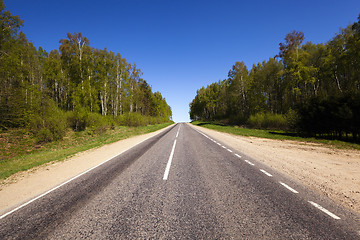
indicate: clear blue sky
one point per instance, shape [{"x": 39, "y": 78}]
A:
[{"x": 181, "y": 46}]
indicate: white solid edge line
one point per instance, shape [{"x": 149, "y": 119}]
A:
[
  {"x": 266, "y": 173},
  {"x": 168, "y": 165},
  {"x": 252, "y": 164},
  {"x": 324, "y": 210},
  {"x": 66, "y": 182},
  {"x": 289, "y": 188},
  {"x": 237, "y": 155}
]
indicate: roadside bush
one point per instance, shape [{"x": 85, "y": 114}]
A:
[
  {"x": 136, "y": 120},
  {"x": 268, "y": 121},
  {"x": 237, "y": 119},
  {"x": 98, "y": 123},
  {"x": 44, "y": 135},
  {"x": 292, "y": 118},
  {"x": 95, "y": 120},
  {"x": 77, "y": 119},
  {"x": 48, "y": 123},
  {"x": 334, "y": 116}
]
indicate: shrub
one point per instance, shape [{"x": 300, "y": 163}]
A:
[
  {"x": 77, "y": 119},
  {"x": 136, "y": 120},
  {"x": 268, "y": 121},
  {"x": 80, "y": 120},
  {"x": 292, "y": 118},
  {"x": 48, "y": 123},
  {"x": 237, "y": 119},
  {"x": 98, "y": 123},
  {"x": 334, "y": 116},
  {"x": 44, "y": 135}
]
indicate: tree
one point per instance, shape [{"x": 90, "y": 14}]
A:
[
  {"x": 9, "y": 28},
  {"x": 266, "y": 88},
  {"x": 342, "y": 62},
  {"x": 238, "y": 82},
  {"x": 321, "y": 82},
  {"x": 290, "y": 55},
  {"x": 12, "y": 107},
  {"x": 75, "y": 54},
  {"x": 37, "y": 86}
]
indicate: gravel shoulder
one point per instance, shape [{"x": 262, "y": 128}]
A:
[
  {"x": 26, "y": 185},
  {"x": 332, "y": 172}
]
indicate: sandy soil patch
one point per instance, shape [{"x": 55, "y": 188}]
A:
[
  {"x": 333, "y": 172},
  {"x": 26, "y": 185}
]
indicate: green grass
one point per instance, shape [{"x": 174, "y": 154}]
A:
[
  {"x": 274, "y": 134},
  {"x": 21, "y": 153}
]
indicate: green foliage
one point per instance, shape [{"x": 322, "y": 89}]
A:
[
  {"x": 307, "y": 87},
  {"x": 19, "y": 153},
  {"x": 47, "y": 123},
  {"x": 209, "y": 102},
  {"x": 292, "y": 119},
  {"x": 75, "y": 86},
  {"x": 78, "y": 119},
  {"x": 132, "y": 120},
  {"x": 99, "y": 123},
  {"x": 137, "y": 119},
  {"x": 44, "y": 135},
  {"x": 334, "y": 116},
  {"x": 268, "y": 121},
  {"x": 275, "y": 134}
]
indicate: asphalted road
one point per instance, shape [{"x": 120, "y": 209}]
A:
[{"x": 180, "y": 184}]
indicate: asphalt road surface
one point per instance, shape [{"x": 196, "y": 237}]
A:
[{"x": 181, "y": 184}]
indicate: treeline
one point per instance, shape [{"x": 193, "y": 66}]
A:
[
  {"x": 76, "y": 85},
  {"x": 311, "y": 88}
]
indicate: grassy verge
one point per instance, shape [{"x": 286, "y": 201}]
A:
[
  {"x": 274, "y": 134},
  {"x": 25, "y": 155}
]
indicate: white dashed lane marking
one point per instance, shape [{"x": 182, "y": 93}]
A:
[
  {"x": 283, "y": 184},
  {"x": 168, "y": 165},
  {"x": 324, "y": 210},
  {"x": 247, "y": 161},
  {"x": 266, "y": 173},
  {"x": 289, "y": 188}
]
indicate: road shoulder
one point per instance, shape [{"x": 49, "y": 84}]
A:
[{"x": 332, "y": 172}]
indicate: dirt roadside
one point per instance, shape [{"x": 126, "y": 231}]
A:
[
  {"x": 333, "y": 172},
  {"x": 24, "y": 186}
]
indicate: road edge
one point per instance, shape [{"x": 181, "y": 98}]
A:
[{"x": 42, "y": 179}]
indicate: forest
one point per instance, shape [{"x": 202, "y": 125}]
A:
[
  {"x": 76, "y": 86},
  {"x": 313, "y": 89}
]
